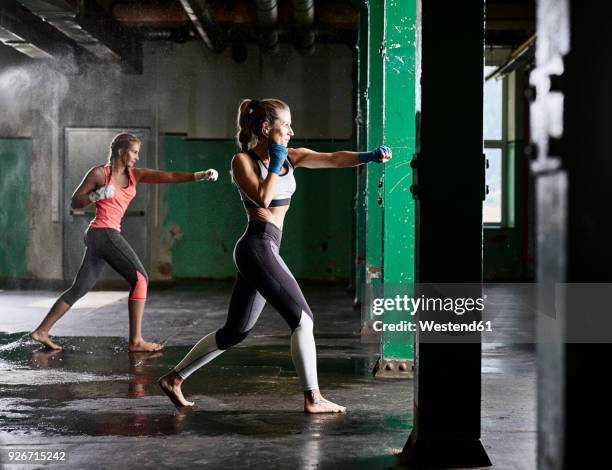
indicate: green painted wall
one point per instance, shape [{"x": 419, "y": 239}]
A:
[
  {"x": 15, "y": 162},
  {"x": 209, "y": 218}
]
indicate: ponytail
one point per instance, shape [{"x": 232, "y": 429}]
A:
[{"x": 251, "y": 115}]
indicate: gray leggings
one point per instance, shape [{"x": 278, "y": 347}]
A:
[
  {"x": 262, "y": 276},
  {"x": 107, "y": 245}
]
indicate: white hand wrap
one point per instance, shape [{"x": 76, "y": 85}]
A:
[
  {"x": 208, "y": 175},
  {"x": 104, "y": 192}
]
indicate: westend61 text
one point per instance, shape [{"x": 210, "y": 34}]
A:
[{"x": 431, "y": 326}]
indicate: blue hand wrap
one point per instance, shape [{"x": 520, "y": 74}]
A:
[
  {"x": 375, "y": 155},
  {"x": 278, "y": 154}
]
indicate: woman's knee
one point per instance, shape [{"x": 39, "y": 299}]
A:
[
  {"x": 227, "y": 337},
  {"x": 305, "y": 322},
  {"x": 140, "y": 287}
]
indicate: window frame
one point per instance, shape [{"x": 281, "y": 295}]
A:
[{"x": 507, "y": 176}]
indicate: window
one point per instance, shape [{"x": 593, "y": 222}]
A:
[
  {"x": 492, "y": 207},
  {"x": 494, "y": 148}
]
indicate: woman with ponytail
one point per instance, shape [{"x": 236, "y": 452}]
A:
[
  {"x": 111, "y": 187},
  {"x": 263, "y": 173}
]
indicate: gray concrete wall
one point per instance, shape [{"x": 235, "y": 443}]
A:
[{"x": 184, "y": 88}]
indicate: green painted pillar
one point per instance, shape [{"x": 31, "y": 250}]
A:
[
  {"x": 399, "y": 53},
  {"x": 390, "y": 230}
]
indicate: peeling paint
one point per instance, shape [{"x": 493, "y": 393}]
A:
[
  {"x": 164, "y": 268},
  {"x": 175, "y": 233}
]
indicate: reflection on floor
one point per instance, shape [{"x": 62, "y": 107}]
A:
[{"x": 101, "y": 403}]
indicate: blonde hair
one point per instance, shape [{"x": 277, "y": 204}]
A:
[
  {"x": 251, "y": 115},
  {"x": 121, "y": 141}
]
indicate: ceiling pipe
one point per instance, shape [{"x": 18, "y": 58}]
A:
[
  {"x": 91, "y": 28},
  {"x": 15, "y": 34},
  {"x": 267, "y": 19},
  {"x": 210, "y": 33},
  {"x": 268, "y": 22},
  {"x": 303, "y": 18},
  {"x": 157, "y": 15},
  {"x": 8, "y": 38}
]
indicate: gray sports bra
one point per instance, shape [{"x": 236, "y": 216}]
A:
[{"x": 284, "y": 188}]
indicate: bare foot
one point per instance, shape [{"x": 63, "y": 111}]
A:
[
  {"x": 43, "y": 338},
  {"x": 143, "y": 346},
  {"x": 171, "y": 385},
  {"x": 315, "y": 403}
]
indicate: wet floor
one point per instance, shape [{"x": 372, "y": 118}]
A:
[{"x": 101, "y": 403}]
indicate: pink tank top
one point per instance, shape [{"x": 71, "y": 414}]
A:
[{"x": 109, "y": 212}]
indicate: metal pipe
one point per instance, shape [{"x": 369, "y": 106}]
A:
[
  {"x": 199, "y": 14},
  {"x": 303, "y": 18},
  {"x": 89, "y": 26},
  {"x": 14, "y": 34},
  {"x": 156, "y": 15},
  {"x": 267, "y": 19}
]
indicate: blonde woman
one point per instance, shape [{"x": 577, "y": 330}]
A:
[
  {"x": 111, "y": 187},
  {"x": 263, "y": 172}
]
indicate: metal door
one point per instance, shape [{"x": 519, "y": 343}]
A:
[{"x": 83, "y": 149}]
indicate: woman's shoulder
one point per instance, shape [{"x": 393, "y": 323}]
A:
[
  {"x": 99, "y": 168},
  {"x": 243, "y": 159},
  {"x": 98, "y": 171},
  {"x": 240, "y": 155},
  {"x": 295, "y": 155}
]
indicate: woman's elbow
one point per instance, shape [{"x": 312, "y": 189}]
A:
[
  {"x": 75, "y": 203},
  {"x": 264, "y": 202}
]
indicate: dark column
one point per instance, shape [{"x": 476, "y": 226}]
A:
[
  {"x": 572, "y": 147},
  {"x": 449, "y": 188}
]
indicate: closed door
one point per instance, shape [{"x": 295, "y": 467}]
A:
[{"x": 83, "y": 149}]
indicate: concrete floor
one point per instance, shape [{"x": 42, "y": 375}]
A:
[{"x": 102, "y": 405}]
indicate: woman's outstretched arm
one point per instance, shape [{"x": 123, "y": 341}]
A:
[
  {"x": 149, "y": 176},
  {"x": 306, "y": 158}
]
